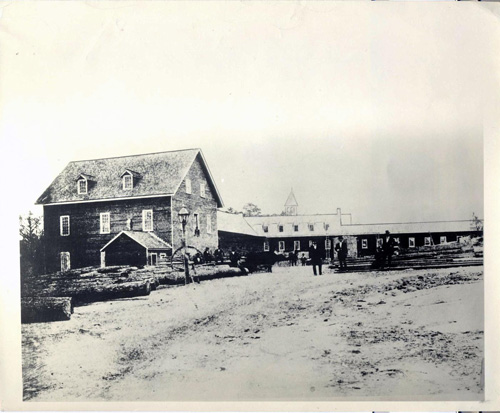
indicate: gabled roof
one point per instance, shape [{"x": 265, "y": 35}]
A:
[
  {"x": 129, "y": 172},
  {"x": 234, "y": 223},
  {"x": 85, "y": 176},
  {"x": 289, "y": 221},
  {"x": 291, "y": 201},
  {"x": 161, "y": 175},
  {"x": 148, "y": 240}
]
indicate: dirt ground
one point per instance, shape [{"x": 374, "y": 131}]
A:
[{"x": 394, "y": 335}]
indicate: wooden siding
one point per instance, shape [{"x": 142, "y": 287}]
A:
[
  {"x": 195, "y": 204},
  {"x": 404, "y": 240},
  {"x": 240, "y": 242},
  {"x": 85, "y": 241}
]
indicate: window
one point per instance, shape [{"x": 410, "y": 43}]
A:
[
  {"x": 127, "y": 181},
  {"x": 364, "y": 244},
  {"x": 105, "y": 223},
  {"x": 311, "y": 227},
  {"x": 296, "y": 245},
  {"x": 459, "y": 238},
  {"x": 296, "y": 228},
  {"x": 188, "y": 186},
  {"x": 209, "y": 224},
  {"x": 310, "y": 243},
  {"x": 202, "y": 190},
  {"x": 380, "y": 242},
  {"x": 281, "y": 246},
  {"x": 266, "y": 245},
  {"x": 64, "y": 225},
  {"x": 442, "y": 239},
  {"x": 82, "y": 186},
  {"x": 427, "y": 241},
  {"x": 265, "y": 228},
  {"x": 411, "y": 242},
  {"x": 396, "y": 240},
  {"x": 147, "y": 220},
  {"x": 328, "y": 244},
  {"x": 196, "y": 224},
  {"x": 327, "y": 226},
  {"x": 280, "y": 228}
]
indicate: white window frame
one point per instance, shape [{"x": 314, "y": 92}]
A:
[
  {"x": 102, "y": 228},
  {"x": 364, "y": 244},
  {"x": 411, "y": 242},
  {"x": 442, "y": 239},
  {"x": 281, "y": 228},
  {"x": 209, "y": 224},
  {"x": 266, "y": 246},
  {"x": 296, "y": 245},
  {"x": 203, "y": 190},
  {"x": 188, "y": 186},
  {"x": 380, "y": 242},
  {"x": 61, "y": 225},
  {"x": 147, "y": 226},
  {"x": 125, "y": 186},
  {"x": 427, "y": 241},
  {"x": 281, "y": 246},
  {"x": 80, "y": 192},
  {"x": 311, "y": 227}
]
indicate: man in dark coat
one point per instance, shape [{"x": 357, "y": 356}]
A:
[
  {"x": 315, "y": 257},
  {"x": 341, "y": 249},
  {"x": 388, "y": 244}
]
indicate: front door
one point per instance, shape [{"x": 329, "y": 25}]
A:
[
  {"x": 65, "y": 261},
  {"x": 153, "y": 258}
]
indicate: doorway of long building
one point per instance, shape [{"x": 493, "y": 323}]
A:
[{"x": 65, "y": 261}]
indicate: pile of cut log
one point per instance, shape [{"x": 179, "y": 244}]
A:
[
  {"x": 47, "y": 297},
  {"x": 436, "y": 256}
]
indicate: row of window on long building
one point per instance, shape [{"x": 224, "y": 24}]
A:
[
  {"x": 295, "y": 227},
  {"x": 147, "y": 222},
  {"x": 364, "y": 243}
]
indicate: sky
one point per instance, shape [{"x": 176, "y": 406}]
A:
[{"x": 372, "y": 109}]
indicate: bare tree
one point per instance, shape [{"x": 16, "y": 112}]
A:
[
  {"x": 477, "y": 224},
  {"x": 30, "y": 232}
]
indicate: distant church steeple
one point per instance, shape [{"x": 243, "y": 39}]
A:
[{"x": 291, "y": 204}]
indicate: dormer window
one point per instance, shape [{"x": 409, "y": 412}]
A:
[
  {"x": 83, "y": 182},
  {"x": 82, "y": 186},
  {"x": 188, "y": 186},
  {"x": 128, "y": 181}
]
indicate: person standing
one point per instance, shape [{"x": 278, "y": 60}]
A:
[
  {"x": 315, "y": 257},
  {"x": 341, "y": 249},
  {"x": 388, "y": 247}
]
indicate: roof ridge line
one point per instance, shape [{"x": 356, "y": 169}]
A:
[{"x": 139, "y": 154}]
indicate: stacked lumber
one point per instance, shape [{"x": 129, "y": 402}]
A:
[
  {"x": 202, "y": 272},
  {"x": 89, "y": 284},
  {"x": 42, "y": 309}
]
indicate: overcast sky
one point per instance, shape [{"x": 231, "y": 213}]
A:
[{"x": 377, "y": 110}]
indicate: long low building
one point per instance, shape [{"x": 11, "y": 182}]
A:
[{"x": 293, "y": 232}]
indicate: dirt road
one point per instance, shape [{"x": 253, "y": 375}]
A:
[{"x": 281, "y": 336}]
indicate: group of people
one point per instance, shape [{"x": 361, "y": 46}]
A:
[{"x": 383, "y": 255}]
